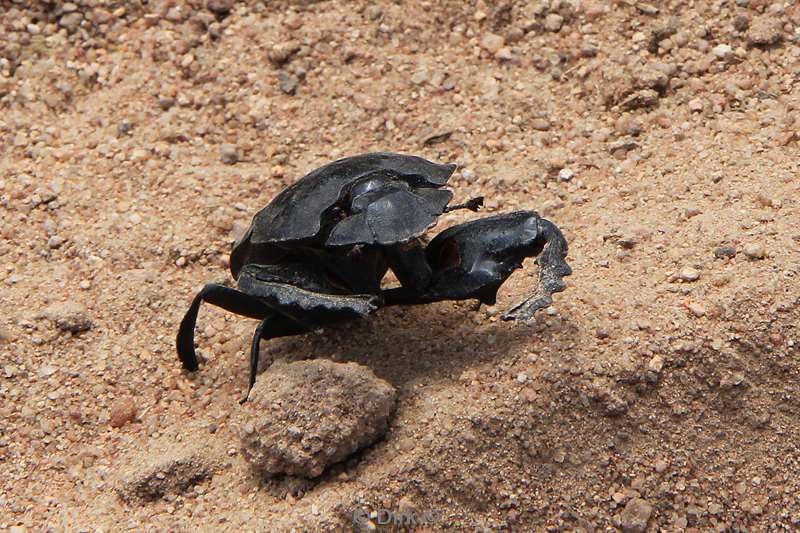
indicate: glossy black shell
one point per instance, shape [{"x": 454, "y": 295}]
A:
[{"x": 313, "y": 211}]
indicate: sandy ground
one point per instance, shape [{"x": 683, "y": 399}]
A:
[{"x": 660, "y": 393}]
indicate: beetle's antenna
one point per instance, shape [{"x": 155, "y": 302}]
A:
[{"x": 473, "y": 205}]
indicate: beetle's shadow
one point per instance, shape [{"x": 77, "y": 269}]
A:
[{"x": 421, "y": 343}]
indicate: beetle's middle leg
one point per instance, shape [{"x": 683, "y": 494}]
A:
[
  {"x": 271, "y": 327},
  {"x": 297, "y": 305}
]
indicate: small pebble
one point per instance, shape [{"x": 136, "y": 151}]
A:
[
  {"x": 373, "y": 12},
  {"x": 656, "y": 364},
  {"x": 695, "y": 105},
  {"x": 492, "y": 43},
  {"x": 69, "y": 316},
  {"x": 722, "y": 252},
  {"x": 229, "y": 154},
  {"x": 635, "y": 516},
  {"x": 166, "y": 102},
  {"x": 124, "y": 127},
  {"x": 522, "y": 378},
  {"x": 540, "y": 124},
  {"x": 741, "y": 23},
  {"x": 55, "y": 242},
  {"x": 287, "y": 83},
  {"x": 689, "y": 274},
  {"x": 220, "y": 7},
  {"x": 122, "y": 412},
  {"x": 504, "y": 54},
  {"x": 565, "y": 174},
  {"x": 420, "y": 77},
  {"x": 46, "y": 371},
  {"x": 139, "y": 155},
  {"x": 697, "y": 309},
  {"x": 692, "y": 211},
  {"x": 754, "y": 250},
  {"x": 764, "y": 31},
  {"x": 553, "y": 22},
  {"x": 722, "y": 51}
]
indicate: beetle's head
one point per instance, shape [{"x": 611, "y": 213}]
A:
[{"x": 372, "y": 187}]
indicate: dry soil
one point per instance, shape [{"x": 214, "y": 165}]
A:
[{"x": 661, "y": 391}]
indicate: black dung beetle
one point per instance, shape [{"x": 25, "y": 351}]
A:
[{"x": 318, "y": 252}]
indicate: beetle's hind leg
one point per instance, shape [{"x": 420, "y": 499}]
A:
[
  {"x": 225, "y": 297},
  {"x": 271, "y": 327}
]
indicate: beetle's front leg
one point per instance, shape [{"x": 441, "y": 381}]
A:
[
  {"x": 408, "y": 262},
  {"x": 473, "y": 259},
  {"x": 552, "y": 269}
]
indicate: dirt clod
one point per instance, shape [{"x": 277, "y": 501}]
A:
[
  {"x": 307, "y": 415},
  {"x": 69, "y": 316},
  {"x": 166, "y": 467}
]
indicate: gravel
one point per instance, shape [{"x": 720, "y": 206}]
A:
[{"x": 605, "y": 96}]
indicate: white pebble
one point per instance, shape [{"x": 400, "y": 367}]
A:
[
  {"x": 689, "y": 274},
  {"x": 722, "y": 51},
  {"x": 55, "y": 242},
  {"x": 754, "y": 251},
  {"x": 46, "y": 371},
  {"x": 138, "y": 155},
  {"x": 565, "y": 174}
]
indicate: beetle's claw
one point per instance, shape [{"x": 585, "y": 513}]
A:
[{"x": 553, "y": 268}]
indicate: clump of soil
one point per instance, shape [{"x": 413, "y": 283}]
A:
[{"x": 304, "y": 416}]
